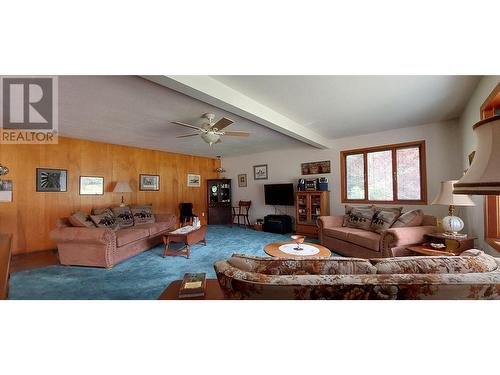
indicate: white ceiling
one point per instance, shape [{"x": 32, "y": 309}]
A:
[
  {"x": 340, "y": 106},
  {"x": 302, "y": 110},
  {"x": 133, "y": 111}
]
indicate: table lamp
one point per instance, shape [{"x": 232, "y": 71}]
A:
[
  {"x": 122, "y": 187},
  {"x": 452, "y": 224}
]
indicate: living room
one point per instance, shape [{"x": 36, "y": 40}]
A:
[{"x": 182, "y": 194}]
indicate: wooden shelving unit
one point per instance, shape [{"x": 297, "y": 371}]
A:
[{"x": 310, "y": 205}]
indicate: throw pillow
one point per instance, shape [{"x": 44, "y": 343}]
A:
[
  {"x": 143, "y": 214},
  {"x": 101, "y": 211},
  {"x": 348, "y": 210},
  {"x": 123, "y": 216},
  {"x": 384, "y": 218},
  {"x": 360, "y": 218},
  {"x": 105, "y": 221},
  {"x": 412, "y": 218},
  {"x": 81, "y": 219}
]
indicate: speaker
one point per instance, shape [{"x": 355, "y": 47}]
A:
[{"x": 277, "y": 224}]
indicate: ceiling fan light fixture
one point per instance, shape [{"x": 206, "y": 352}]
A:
[{"x": 210, "y": 137}]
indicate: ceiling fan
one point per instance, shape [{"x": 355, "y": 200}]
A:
[{"x": 211, "y": 132}]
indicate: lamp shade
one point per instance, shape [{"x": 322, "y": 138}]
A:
[
  {"x": 448, "y": 198},
  {"x": 483, "y": 176},
  {"x": 122, "y": 187}
]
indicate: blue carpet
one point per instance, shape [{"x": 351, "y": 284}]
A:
[{"x": 144, "y": 276}]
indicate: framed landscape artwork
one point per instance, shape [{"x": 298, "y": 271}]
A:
[
  {"x": 242, "y": 180},
  {"x": 316, "y": 167},
  {"x": 193, "y": 180},
  {"x": 51, "y": 180},
  {"x": 260, "y": 172},
  {"x": 91, "y": 185},
  {"x": 5, "y": 190},
  {"x": 149, "y": 182}
]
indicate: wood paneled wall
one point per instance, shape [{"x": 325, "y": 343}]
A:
[{"x": 31, "y": 215}]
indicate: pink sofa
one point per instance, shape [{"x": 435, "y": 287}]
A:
[
  {"x": 360, "y": 243},
  {"x": 102, "y": 247}
]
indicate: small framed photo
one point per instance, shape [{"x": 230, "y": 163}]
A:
[
  {"x": 51, "y": 180},
  {"x": 5, "y": 190},
  {"x": 242, "y": 180},
  {"x": 91, "y": 185},
  {"x": 149, "y": 182},
  {"x": 193, "y": 180},
  {"x": 260, "y": 172}
]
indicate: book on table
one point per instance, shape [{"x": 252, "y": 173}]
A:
[{"x": 193, "y": 285}]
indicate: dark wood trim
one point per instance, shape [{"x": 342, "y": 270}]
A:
[
  {"x": 5, "y": 256},
  {"x": 485, "y": 121},
  {"x": 393, "y": 148}
]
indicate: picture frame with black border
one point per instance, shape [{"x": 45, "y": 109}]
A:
[
  {"x": 260, "y": 172},
  {"x": 91, "y": 185},
  {"x": 50, "y": 180},
  {"x": 149, "y": 182}
]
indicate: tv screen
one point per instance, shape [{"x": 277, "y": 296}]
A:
[{"x": 279, "y": 194}]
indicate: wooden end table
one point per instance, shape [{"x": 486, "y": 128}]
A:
[
  {"x": 273, "y": 250},
  {"x": 190, "y": 238},
  {"x": 212, "y": 291},
  {"x": 454, "y": 245}
]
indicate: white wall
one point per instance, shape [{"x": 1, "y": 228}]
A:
[
  {"x": 471, "y": 115},
  {"x": 444, "y": 162}
]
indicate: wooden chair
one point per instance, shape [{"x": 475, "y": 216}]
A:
[
  {"x": 5, "y": 255},
  {"x": 187, "y": 214},
  {"x": 242, "y": 211}
]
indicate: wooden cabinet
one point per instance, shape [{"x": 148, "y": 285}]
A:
[
  {"x": 219, "y": 201},
  {"x": 310, "y": 205}
]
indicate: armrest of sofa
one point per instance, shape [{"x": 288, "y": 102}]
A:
[
  {"x": 395, "y": 237},
  {"x": 330, "y": 221},
  {"x": 83, "y": 235},
  {"x": 166, "y": 218}
]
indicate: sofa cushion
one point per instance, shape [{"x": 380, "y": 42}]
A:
[
  {"x": 155, "y": 228},
  {"x": 384, "y": 218},
  {"x": 105, "y": 221},
  {"x": 123, "y": 216},
  {"x": 339, "y": 233},
  {"x": 101, "y": 211},
  {"x": 470, "y": 261},
  {"x": 348, "y": 210},
  {"x": 143, "y": 214},
  {"x": 128, "y": 235},
  {"x": 81, "y": 219},
  {"x": 411, "y": 218},
  {"x": 313, "y": 266},
  {"x": 360, "y": 218},
  {"x": 365, "y": 238}
]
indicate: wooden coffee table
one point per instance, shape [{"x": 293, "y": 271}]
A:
[
  {"x": 212, "y": 291},
  {"x": 190, "y": 238},
  {"x": 273, "y": 250}
]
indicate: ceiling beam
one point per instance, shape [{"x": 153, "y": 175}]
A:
[{"x": 211, "y": 91}]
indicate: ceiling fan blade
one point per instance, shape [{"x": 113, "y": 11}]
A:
[
  {"x": 237, "y": 134},
  {"x": 187, "y": 135},
  {"x": 186, "y": 125},
  {"x": 222, "y": 123}
]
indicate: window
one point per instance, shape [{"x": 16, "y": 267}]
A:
[{"x": 385, "y": 174}]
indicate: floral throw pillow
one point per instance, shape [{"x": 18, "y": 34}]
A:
[
  {"x": 143, "y": 214},
  {"x": 384, "y": 218},
  {"x": 360, "y": 218}
]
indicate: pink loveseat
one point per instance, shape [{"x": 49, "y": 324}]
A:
[
  {"x": 360, "y": 243},
  {"x": 102, "y": 247}
]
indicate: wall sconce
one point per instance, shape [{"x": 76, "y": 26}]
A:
[
  {"x": 219, "y": 169},
  {"x": 3, "y": 170}
]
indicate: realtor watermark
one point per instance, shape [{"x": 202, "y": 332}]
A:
[{"x": 29, "y": 110}]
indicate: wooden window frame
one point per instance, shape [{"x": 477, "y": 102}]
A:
[
  {"x": 491, "y": 202},
  {"x": 393, "y": 148}
]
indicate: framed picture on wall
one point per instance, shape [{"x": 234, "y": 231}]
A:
[
  {"x": 193, "y": 180},
  {"x": 242, "y": 180},
  {"x": 51, "y": 180},
  {"x": 260, "y": 172},
  {"x": 5, "y": 190},
  {"x": 149, "y": 182},
  {"x": 91, "y": 185}
]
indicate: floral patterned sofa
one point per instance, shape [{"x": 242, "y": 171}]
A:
[{"x": 472, "y": 275}]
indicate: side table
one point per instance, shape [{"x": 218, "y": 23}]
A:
[
  {"x": 189, "y": 238},
  {"x": 454, "y": 245}
]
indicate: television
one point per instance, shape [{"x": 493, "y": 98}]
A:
[{"x": 279, "y": 195}]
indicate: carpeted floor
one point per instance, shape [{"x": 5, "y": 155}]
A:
[{"x": 144, "y": 276}]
